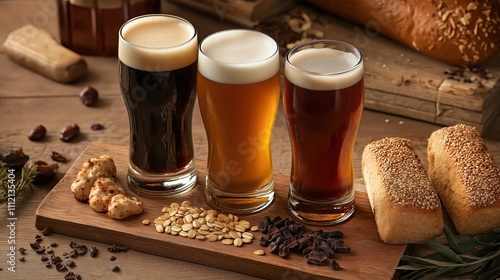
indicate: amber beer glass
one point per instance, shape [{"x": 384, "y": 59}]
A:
[
  {"x": 157, "y": 74},
  {"x": 238, "y": 94},
  {"x": 323, "y": 100}
]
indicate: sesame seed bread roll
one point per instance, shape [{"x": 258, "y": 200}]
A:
[
  {"x": 407, "y": 209},
  {"x": 466, "y": 178}
]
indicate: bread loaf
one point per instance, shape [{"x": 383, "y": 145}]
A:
[
  {"x": 466, "y": 178},
  {"x": 406, "y": 207},
  {"x": 457, "y": 32}
]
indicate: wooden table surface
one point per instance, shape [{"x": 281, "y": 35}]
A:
[{"x": 28, "y": 99}]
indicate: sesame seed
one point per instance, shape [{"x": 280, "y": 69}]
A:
[
  {"x": 477, "y": 169},
  {"x": 403, "y": 174}
]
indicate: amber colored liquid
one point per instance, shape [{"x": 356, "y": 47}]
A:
[
  {"x": 322, "y": 127},
  {"x": 238, "y": 121},
  {"x": 94, "y": 31}
]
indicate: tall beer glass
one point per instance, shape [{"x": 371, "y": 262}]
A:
[
  {"x": 157, "y": 73},
  {"x": 323, "y": 95},
  {"x": 238, "y": 94}
]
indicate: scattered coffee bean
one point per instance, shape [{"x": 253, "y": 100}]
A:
[
  {"x": 40, "y": 250},
  {"x": 44, "y": 258},
  {"x": 38, "y": 239},
  {"x": 286, "y": 235},
  {"x": 60, "y": 267},
  {"x": 58, "y": 157},
  {"x": 70, "y": 132},
  {"x": 72, "y": 276},
  {"x": 22, "y": 259},
  {"x": 50, "y": 251},
  {"x": 37, "y": 133},
  {"x": 115, "y": 268},
  {"x": 97, "y": 126},
  {"x": 48, "y": 265},
  {"x": 46, "y": 231},
  {"x": 89, "y": 96},
  {"x": 53, "y": 244},
  {"x": 73, "y": 254},
  {"x": 93, "y": 252},
  {"x": 55, "y": 259},
  {"x": 34, "y": 246},
  {"x": 70, "y": 263},
  {"x": 112, "y": 258},
  {"x": 22, "y": 251}
]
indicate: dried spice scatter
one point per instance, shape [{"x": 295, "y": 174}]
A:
[
  {"x": 115, "y": 248},
  {"x": 284, "y": 236},
  {"x": 44, "y": 172},
  {"x": 14, "y": 158},
  {"x": 58, "y": 157}
]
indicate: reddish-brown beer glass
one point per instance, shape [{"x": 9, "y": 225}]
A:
[{"x": 323, "y": 100}]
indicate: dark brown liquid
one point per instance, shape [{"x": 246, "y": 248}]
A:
[
  {"x": 160, "y": 107},
  {"x": 94, "y": 31},
  {"x": 323, "y": 127}
]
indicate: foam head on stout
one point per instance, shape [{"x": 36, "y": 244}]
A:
[{"x": 158, "y": 43}]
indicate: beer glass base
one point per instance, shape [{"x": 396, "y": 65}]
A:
[
  {"x": 162, "y": 185},
  {"x": 239, "y": 203},
  {"x": 320, "y": 213}
]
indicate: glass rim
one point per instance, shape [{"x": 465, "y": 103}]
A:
[
  {"x": 275, "y": 52},
  {"x": 195, "y": 33},
  {"x": 293, "y": 50}
]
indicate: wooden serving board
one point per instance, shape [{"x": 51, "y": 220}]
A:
[{"x": 370, "y": 258}]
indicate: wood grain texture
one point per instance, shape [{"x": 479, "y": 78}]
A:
[{"x": 60, "y": 212}]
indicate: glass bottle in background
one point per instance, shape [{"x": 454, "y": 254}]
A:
[{"x": 90, "y": 27}]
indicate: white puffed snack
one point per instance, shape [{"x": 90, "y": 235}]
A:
[
  {"x": 92, "y": 169},
  {"x": 123, "y": 206},
  {"x": 101, "y": 192}
]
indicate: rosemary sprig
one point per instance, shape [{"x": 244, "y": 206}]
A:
[
  {"x": 21, "y": 184},
  {"x": 463, "y": 254}
]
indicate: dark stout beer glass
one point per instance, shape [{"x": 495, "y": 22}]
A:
[
  {"x": 157, "y": 73},
  {"x": 323, "y": 100}
]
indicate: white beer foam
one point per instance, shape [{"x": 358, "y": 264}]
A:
[
  {"x": 158, "y": 43},
  {"x": 323, "y": 69},
  {"x": 238, "y": 56}
]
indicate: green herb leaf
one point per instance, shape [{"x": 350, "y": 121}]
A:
[
  {"x": 480, "y": 256},
  {"x": 451, "y": 241},
  {"x": 445, "y": 251}
]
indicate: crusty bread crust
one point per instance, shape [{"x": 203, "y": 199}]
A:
[
  {"x": 466, "y": 178},
  {"x": 406, "y": 207},
  {"x": 457, "y": 32}
]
